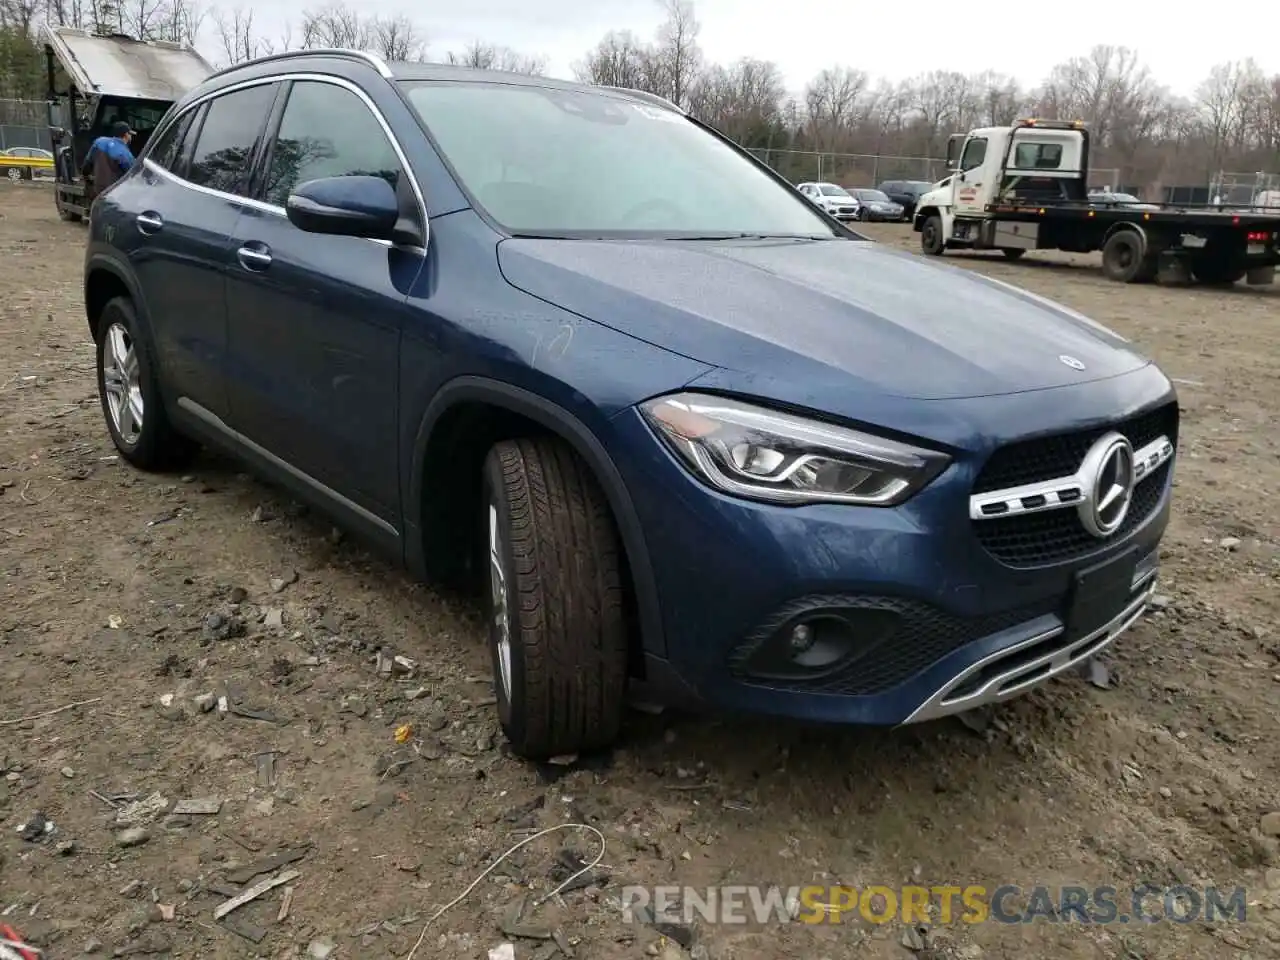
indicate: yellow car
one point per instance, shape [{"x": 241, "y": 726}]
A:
[{"x": 21, "y": 163}]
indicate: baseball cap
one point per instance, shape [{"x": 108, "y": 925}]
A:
[{"x": 121, "y": 128}]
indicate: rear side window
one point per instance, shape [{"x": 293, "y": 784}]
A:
[
  {"x": 326, "y": 131},
  {"x": 224, "y": 150},
  {"x": 1038, "y": 156},
  {"x": 166, "y": 149}
]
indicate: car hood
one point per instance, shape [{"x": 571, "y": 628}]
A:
[{"x": 878, "y": 320}]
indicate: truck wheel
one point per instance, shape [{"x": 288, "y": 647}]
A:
[
  {"x": 557, "y": 625},
  {"x": 1214, "y": 273},
  {"x": 1125, "y": 260},
  {"x": 130, "y": 394},
  {"x": 932, "y": 242},
  {"x": 1012, "y": 253}
]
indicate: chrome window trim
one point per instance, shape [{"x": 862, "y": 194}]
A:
[{"x": 260, "y": 205}]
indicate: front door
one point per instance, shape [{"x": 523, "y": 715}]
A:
[
  {"x": 969, "y": 194},
  {"x": 314, "y": 321}
]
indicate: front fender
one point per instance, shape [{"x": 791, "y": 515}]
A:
[{"x": 565, "y": 424}]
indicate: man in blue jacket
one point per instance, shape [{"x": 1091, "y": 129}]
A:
[{"x": 109, "y": 157}]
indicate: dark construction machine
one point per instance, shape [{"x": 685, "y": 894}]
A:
[{"x": 109, "y": 78}]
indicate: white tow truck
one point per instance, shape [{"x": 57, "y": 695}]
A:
[{"x": 1025, "y": 187}]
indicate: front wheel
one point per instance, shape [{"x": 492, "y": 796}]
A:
[
  {"x": 130, "y": 395},
  {"x": 932, "y": 242},
  {"x": 14, "y": 174},
  {"x": 557, "y": 622},
  {"x": 863, "y": 215},
  {"x": 1012, "y": 253}
]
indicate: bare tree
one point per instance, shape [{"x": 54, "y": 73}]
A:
[
  {"x": 676, "y": 55},
  {"x": 398, "y": 39},
  {"x": 487, "y": 56},
  {"x": 336, "y": 26},
  {"x": 239, "y": 37},
  {"x": 618, "y": 60}
]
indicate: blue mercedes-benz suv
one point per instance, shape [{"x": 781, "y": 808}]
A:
[{"x": 691, "y": 438}]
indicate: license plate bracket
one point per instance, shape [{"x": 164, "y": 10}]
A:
[{"x": 1100, "y": 592}]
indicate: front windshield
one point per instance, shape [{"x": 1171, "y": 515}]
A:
[
  {"x": 551, "y": 162},
  {"x": 872, "y": 196},
  {"x": 831, "y": 190}
]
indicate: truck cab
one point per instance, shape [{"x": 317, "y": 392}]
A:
[
  {"x": 1030, "y": 162},
  {"x": 97, "y": 80}
]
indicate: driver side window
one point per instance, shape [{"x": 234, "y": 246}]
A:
[
  {"x": 975, "y": 151},
  {"x": 326, "y": 131}
]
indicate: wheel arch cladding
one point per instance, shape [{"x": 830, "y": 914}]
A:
[
  {"x": 463, "y": 421},
  {"x": 103, "y": 282}
]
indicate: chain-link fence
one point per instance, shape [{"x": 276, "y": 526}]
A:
[
  {"x": 849, "y": 169},
  {"x": 1245, "y": 189},
  {"x": 24, "y": 123}
]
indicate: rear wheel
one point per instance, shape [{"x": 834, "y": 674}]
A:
[
  {"x": 932, "y": 242},
  {"x": 1012, "y": 253},
  {"x": 130, "y": 395},
  {"x": 1125, "y": 258},
  {"x": 1215, "y": 273},
  {"x": 557, "y": 624}
]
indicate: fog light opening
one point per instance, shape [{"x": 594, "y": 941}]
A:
[
  {"x": 818, "y": 642},
  {"x": 802, "y": 638}
]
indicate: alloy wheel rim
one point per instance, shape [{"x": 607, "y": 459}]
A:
[
  {"x": 498, "y": 591},
  {"x": 122, "y": 383}
]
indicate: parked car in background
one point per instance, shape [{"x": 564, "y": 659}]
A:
[
  {"x": 21, "y": 163},
  {"x": 834, "y": 199},
  {"x": 875, "y": 205},
  {"x": 1127, "y": 200},
  {"x": 905, "y": 192}
]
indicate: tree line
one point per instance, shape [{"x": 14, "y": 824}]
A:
[{"x": 1150, "y": 134}]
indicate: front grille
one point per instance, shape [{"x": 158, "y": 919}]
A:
[
  {"x": 1047, "y": 458},
  {"x": 923, "y": 636},
  {"x": 1056, "y": 536}
]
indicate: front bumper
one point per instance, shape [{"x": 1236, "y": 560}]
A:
[{"x": 975, "y": 620}]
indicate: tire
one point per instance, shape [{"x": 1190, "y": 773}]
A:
[
  {"x": 863, "y": 215},
  {"x": 14, "y": 174},
  {"x": 1012, "y": 253},
  {"x": 1214, "y": 273},
  {"x": 127, "y": 381},
  {"x": 932, "y": 242},
  {"x": 555, "y": 598},
  {"x": 1125, "y": 258},
  {"x": 69, "y": 216}
]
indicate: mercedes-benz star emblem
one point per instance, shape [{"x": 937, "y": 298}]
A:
[
  {"x": 1071, "y": 362},
  {"x": 1110, "y": 478}
]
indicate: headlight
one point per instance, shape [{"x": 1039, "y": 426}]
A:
[{"x": 762, "y": 454}]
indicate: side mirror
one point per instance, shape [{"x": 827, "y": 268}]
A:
[{"x": 358, "y": 206}]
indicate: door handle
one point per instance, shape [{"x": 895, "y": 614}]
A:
[
  {"x": 148, "y": 223},
  {"x": 253, "y": 258}
]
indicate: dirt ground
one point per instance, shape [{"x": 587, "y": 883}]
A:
[{"x": 146, "y": 599}]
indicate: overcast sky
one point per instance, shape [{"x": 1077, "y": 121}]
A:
[{"x": 1179, "y": 42}]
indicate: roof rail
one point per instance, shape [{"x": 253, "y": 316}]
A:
[
  {"x": 364, "y": 56},
  {"x": 649, "y": 97}
]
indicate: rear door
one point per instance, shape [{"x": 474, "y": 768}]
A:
[
  {"x": 182, "y": 209},
  {"x": 315, "y": 320}
]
